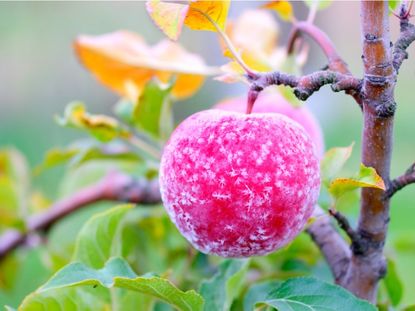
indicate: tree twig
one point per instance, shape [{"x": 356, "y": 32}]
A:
[
  {"x": 334, "y": 249},
  {"x": 407, "y": 36},
  {"x": 335, "y": 62},
  {"x": 344, "y": 225},
  {"x": 323, "y": 41},
  {"x": 306, "y": 85},
  {"x": 400, "y": 182},
  {"x": 114, "y": 186}
]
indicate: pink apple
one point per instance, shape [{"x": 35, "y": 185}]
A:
[
  {"x": 272, "y": 101},
  {"x": 239, "y": 185}
]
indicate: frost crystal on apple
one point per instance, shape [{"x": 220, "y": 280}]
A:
[
  {"x": 271, "y": 101},
  {"x": 239, "y": 185}
]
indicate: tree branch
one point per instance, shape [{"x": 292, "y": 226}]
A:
[
  {"x": 407, "y": 36},
  {"x": 303, "y": 86},
  {"x": 368, "y": 264},
  {"x": 400, "y": 182},
  {"x": 335, "y": 62},
  {"x": 344, "y": 225},
  {"x": 113, "y": 187},
  {"x": 334, "y": 249}
]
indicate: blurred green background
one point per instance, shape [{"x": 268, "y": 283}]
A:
[{"x": 39, "y": 75}]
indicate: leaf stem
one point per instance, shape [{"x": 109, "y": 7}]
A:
[
  {"x": 147, "y": 148},
  {"x": 312, "y": 12},
  {"x": 228, "y": 43}
]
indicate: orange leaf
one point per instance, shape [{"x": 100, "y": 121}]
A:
[
  {"x": 172, "y": 53},
  {"x": 170, "y": 17},
  {"x": 125, "y": 63},
  {"x": 283, "y": 9}
]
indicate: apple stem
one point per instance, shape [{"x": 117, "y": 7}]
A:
[{"x": 252, "y": 97}]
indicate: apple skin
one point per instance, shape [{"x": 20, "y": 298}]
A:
[
  {"x": 272, "y": 101},
  {"x": 239, "y": 185}
]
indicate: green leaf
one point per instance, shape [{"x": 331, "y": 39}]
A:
[
  {"x": 111, "y": 151},
  {"x": 102, "y": 127},
  {"x": 301, "y": 294},
  {"x": 14, "y": 187},
  {"x": 14, "y": 165},
  {"x": 100, "y": 237},
  {"x": 393, "y": 284},
  {"x": 77, "y": 273},
  {"x": 259, "y": 292},
  {"x": 27, "y": 271},
  {"x": 55, "y": 157},
  {"x": 333, "y": 161},
  {"x": 366, "y": 178},
  {"x": 161, "y": 247},
  {"x": 124, "y": 109},
  {"x": 116, "y": 273},
  {"x": 393, "y": 4},
  {"x": 220, "y": 291},
  {"x": 152, "y": 112},
  {"x": 77, "y": 298},
  {"x": 409, "y": 308},
  {"x": 321, "y": 4}
]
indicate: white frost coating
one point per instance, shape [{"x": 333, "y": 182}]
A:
[{"x": 239, "y": 185}]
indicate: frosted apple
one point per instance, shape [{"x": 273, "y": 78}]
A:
[
  {"x": 272, "y": 101},
  {"x": 239, "y": 185}
]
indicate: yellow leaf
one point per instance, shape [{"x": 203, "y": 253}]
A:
[
  {"x": 216, "y": 10},
  {"x": 233, "y": 68},
  {"x": 232, "y": 72},
  {"x": 169, "y": 17},
  {"x": 125, "y": 63},
  {"x": 255, "y": 62},
  {"x": 254, "y": 36},
  {"x": 367, "y": 178},
  {"x": 39, "y": 202},
  {"x": 283, "y": 9},
  {"x": 102, "y": 127}
]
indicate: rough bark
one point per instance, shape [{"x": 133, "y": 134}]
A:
[{"x": 367, "y": 265}]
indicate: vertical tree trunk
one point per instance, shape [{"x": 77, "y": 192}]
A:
[{"x": 367, "y": 265}]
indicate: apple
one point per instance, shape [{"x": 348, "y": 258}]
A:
[
  {"x": 272, "y": 101},
  {"x": 239, "y": 185}
]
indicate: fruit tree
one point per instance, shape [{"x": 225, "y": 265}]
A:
[{"x": 236, "y": 207}]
